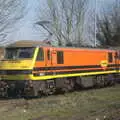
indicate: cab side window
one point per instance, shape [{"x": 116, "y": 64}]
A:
[
  {"x": 110, "y": 57},
  {"x": 40, "y": 56},
  {"x": 60, "y": 57}
]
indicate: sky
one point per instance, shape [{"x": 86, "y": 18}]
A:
[{"x": 26, "y": 29}]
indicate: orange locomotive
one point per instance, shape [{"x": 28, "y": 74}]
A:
[{"x": 32, "y": 69}]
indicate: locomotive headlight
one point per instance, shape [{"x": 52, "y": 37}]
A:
[{"x": 41, "y": 74}]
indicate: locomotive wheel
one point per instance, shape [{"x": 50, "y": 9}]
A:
[
  {"x": 100, "y": 81},
  {"x": 69, "y": 85},
  {"x": 51, "y": 87},
  {"x": 77, "y": 83},
  {"x": 109, "y": 80}
]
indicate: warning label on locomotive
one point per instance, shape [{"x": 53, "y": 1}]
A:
[{"x": 104, "y": 63}]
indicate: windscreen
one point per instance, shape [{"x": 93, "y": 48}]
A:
[{"x": 19, "y": 53}]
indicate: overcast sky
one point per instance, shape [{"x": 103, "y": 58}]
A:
[{"x": 26, "y": 28}]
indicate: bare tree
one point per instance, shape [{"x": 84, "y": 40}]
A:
[
  {"x": 10, "y": 12},
  {"x": 67, "y": 20},
  {"x": 108, "y": 26}
]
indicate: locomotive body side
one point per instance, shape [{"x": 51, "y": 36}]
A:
[{"x": 68, "y": 62}]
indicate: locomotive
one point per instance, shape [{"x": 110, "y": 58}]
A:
[{"x": 30, "y": 68}]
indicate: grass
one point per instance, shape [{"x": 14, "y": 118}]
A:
[{"x": 101, "y": 104}]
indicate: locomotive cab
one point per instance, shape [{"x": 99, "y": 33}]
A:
[
  {"x": 18, "y": 58},
  {"x": 18, "y": 62}
]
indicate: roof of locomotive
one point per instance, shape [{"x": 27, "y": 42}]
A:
[
  {"x": 27, "y": 43},
  {"x": 33, "y": 43}
]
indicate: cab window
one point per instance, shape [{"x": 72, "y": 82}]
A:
[
  {"x": 19, "y": 53},
  {"x": 40, "y": 56}
]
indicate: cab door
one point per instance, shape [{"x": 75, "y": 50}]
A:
[
  {"x": 48, "y": 57},
  {"x": 54, "y": 57},
  {"x": 51, "y": 58}
]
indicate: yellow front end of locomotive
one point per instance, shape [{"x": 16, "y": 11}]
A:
[
  {"x": 16, "y": 64},
  {"x": 19, "y": 68},
  {"x": 15, "y": 69}
]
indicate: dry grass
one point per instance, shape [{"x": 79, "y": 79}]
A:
[{"x": 103, "y": 104}]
